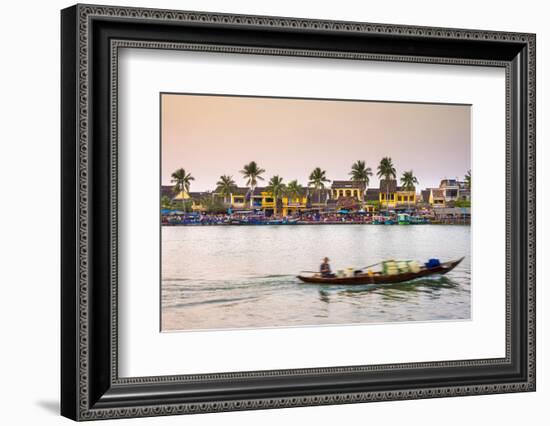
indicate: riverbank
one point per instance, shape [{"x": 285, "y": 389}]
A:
[
  {"x": 441, "y": 216},
  {"x": 302, "y": 224},
  {"x": 448, "y": 222}
]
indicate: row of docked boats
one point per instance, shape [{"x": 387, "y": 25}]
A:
[
  {"x": 196, "y": 219},
  {"x": 400, "y": 219},
  {"x": 253, "y": 221}
]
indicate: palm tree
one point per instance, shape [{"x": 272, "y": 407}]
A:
[
  {"x": 252, "y": 173},
  {"x": 294, "y": 190},
  {"x": 408, "y": 181},
  {"x": 277, "y": 188},
  {"x": 360, "y": 173},
  {"x": 386, "y": 171},
  {"x": 468, "y": 179},
  {"x": 225, "y": 186},
  {"x": 317, "y": 179},
  {"x": 182, "y": 181}
]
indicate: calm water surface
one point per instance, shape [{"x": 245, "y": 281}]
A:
[{"x": 216, "y": 277}]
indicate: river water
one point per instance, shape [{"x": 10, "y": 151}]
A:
[{"x": 221, "y": 277}]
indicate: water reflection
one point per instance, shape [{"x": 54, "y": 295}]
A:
[{"x": 421, "y": 285}]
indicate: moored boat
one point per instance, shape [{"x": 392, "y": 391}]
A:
[
  {"x": 418, "y": 220},
  {"x": 380, "y": 278}
]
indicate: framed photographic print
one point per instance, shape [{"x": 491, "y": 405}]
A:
[{"x": 263, "y": 212}]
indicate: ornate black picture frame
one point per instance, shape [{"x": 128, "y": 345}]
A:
[{"x": 91, "y": 37}]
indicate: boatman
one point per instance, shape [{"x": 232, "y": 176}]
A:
[{"x": 325, "y": 269}]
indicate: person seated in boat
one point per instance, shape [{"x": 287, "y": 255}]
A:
[{"x": 325, "y": 269}]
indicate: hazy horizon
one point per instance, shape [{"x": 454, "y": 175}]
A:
[{"x": 210, "y": 136}]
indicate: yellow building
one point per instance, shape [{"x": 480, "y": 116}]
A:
[
  {"x": 238, "y": 199},
  {"x": 405, "y": 197},
  {"x": 267, "y": 202},
  {"x": 261, "y": 200},
  {"x": 346, "y": 188},
  {"x": 393, "y": 196},
  {"x": 286, "y": 205},
  {"x": 292, "y": 205}
]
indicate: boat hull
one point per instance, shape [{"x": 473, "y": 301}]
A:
[{"x": 361, "y": 279}]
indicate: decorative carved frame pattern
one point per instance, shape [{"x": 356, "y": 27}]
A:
[{"x": 85, "y": 13}]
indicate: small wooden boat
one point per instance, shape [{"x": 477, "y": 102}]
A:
[{"x": 379, "y": 278}]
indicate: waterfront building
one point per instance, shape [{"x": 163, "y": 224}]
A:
[
  {"x": 454, "y": 190},
  {"x": 450, "y": 189},
  {"x": 425, "y": 196},
  {"x": 319, "y": 199},
  {"x": 346, "y": 188},
  {"x": 341, "y": 195},
  {"x": 345, "y": 195},
  {"x": 238, "y": 198},
  {"x": 397, "y": 196},
  {"x": 182, "y": 196},
  {"x": 265, "y": 201},
  {"x": 345, "y": 204},
  {"x": 196, "y": 199},
  {"x": 372, "y": 200},
  {"x": 405, "y": 198},
  {"x": 437, "y": 197},
  {"x": 291, "y": 205}
]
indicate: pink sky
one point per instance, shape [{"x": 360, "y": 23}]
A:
[{"x": 213, "y": 135}]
